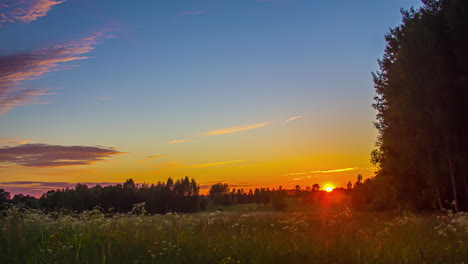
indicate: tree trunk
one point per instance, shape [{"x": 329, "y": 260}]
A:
[
  {"x": 439, "y": 199},
  {"x": 454, "y": 186}
]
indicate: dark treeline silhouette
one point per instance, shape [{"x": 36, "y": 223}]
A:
[
  {"x": 221, "y": 194},
  {"x": 179, "y": 196},
  {"x": 163, "y": 197},
  {"x": 422, "y": 104}
]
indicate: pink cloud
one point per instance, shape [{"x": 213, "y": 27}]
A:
[
  {"x": 13, "y": 140},
  {"x": 25, "y": 11},
  {"x": 194, "y": 12},
  {"x": 43, "y": 155},
  {"x": 17, "y": 68}
]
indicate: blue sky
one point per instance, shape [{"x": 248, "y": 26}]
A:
[{"x": 152, "y": 72}]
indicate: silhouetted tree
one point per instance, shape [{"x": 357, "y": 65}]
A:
[
  {"x": 422, "y": 95},
  {"x": 316, "y": 187},
  {"x": 219, "y": 193}
]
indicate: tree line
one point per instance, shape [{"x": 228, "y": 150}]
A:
[{"x": 181, "y": 196}]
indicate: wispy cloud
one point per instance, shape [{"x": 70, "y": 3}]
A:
[
  {"x": 13, "y": 140},
  {"x": 336, "y": 170},
  {"x": 274, "y": 0},
  {"x": 25, "y": 11},
  {"x": 17, "y": 68},
  {"x": 293, "y": 118},
  {"x": 201, "y": 12},
  {"x": 320, "y": 171},
  {"x": 213, "y": 164},
  {"x": 229, "y": 130},
  {"x": 298, "y": 179},
  {"x": 176, "y": 141},
  {"x": 44, "y": 155},
  {"x": 152, "y": 157},
  {"x": 102, "y": 98},
  {"x": 156, "y": 156}
]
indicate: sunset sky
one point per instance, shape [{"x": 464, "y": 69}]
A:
[{"x": 248, "y": 92}]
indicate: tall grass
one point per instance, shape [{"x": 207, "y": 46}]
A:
[{"x": 28, "y": 236}]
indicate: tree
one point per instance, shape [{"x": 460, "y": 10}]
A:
[
  {"x": 421, "y": 99},
  {"x": 358, "y": 180},
  {"x": 219, "y": 192},
  {"x": 4, "y": 196},
  {"x": 316, "y": 187}
]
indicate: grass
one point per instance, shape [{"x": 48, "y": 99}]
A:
[{"x": 243, "y": 235}]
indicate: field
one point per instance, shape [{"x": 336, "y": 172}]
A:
[{"x": 242, "y": 234}]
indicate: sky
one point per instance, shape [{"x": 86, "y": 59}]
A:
[{"x": 254, "y": 93}]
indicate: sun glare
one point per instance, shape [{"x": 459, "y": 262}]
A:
[{"x": 328, "y": 188}]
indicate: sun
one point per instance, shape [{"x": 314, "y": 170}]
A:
[{"x": 329, "y": 188}]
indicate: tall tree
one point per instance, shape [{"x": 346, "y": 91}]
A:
[{"x": 422, "y": 104}]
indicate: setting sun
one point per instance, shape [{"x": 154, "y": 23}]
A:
[{"x": 329, "y": 188}]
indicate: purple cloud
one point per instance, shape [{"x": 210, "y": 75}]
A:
[
  {"x": 194, "y": 12},
  {"x": 25, "y": 11},
  {"x": 17, "y": 68},
  {"x": 43, "y": 155}
]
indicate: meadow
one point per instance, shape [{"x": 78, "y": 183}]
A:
[{"x": 241, "y": 234}]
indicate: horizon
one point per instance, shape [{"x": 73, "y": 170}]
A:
[{"x": 252, "y": 93}]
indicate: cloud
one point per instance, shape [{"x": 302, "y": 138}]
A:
[
  {"x": 229, "y": 130},
  {"x": 176, "y": 141},
  {"x": 44, "y": 155},
  {"x": 17, "y": 68},
  {"x": 13, "y": 140},
  {"x": 157, "y": 156},
  {"x": 213, "y": 164},
  {"x": 152, "y": 157},
  {"x": 25, "y": 11},
  {"x": 320, "y": 171},
  {"x": 102, "y": 98},
  {"x": 194, "y": 12},
  {"x": 298, "y": 179},
  {"x": 275, "y": 0},
  {"x": 336, "y": 170},
  {"x": 293, "y": 118}
]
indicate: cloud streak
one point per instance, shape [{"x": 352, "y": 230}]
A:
[
  {"x": 320, "y": 171},
  {"x": 185, "y": 13},
  {"x": 293, "y": 118},
  {"x": 176, "y": 141},
  {"x": 102, "y": 98},
  {"x": 233, "y": 129},
  {"x": 25, "y": 11},
  {"x": 44, "y": 155},
  {"x": 17, "y": 68},
  {"x": 152, "y": 157},
  {"x": 213, "y": 164}
]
